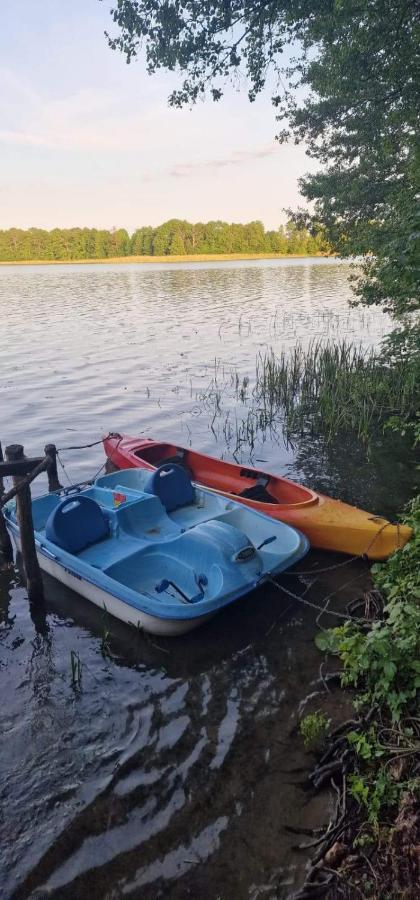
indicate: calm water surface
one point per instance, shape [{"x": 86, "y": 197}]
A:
[
  {"x": 88, "y": 349},
  {"x": 173, "y": 769}
]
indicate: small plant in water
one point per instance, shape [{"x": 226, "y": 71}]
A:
[
  {"x": 313, "y": 729},
  {"x": 76, "y": 668},
  {"x": 106, "y": 634}
]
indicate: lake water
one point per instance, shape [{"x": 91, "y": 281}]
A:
[
  {"x": 90, "y": 349},
  {"x": 174, "y": 768}
]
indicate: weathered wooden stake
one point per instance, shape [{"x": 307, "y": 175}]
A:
[
  {"x": 50, "y": 450},
  {"x": 24, "y": 516},
  {"x": 6, "y": 548}
]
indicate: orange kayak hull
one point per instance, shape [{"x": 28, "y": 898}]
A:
[{"x": 328, "y": 524}]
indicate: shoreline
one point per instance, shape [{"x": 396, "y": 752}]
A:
[{"x": 188, "y": 258}]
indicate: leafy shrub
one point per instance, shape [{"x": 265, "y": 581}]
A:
[{"x": 384, "y": 660}]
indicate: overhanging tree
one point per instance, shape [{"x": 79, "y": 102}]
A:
[{"x": 347, "y": 83}]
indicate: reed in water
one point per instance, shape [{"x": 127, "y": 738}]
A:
[
  {"x": 328, "y": 389},
  {"x": 335, "y": 387}
]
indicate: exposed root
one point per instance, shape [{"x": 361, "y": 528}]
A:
[{"x": 341, "y": 868}]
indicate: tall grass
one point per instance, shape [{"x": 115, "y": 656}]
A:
[
  {"x": 335, "y": 387},
  {"x": 327, "y": 390}
]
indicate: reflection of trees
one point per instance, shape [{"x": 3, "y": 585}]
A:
[{"x": 379, "y": 479}]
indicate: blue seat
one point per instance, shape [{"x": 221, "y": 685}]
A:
[
  {"x": 76, "y": 523},
  {"x": 172, "y": 485}
]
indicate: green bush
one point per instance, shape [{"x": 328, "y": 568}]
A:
[
  {"x": 384, "y": 659},
  {"x": 382, "y": 662},
  {"x": 313, "y": 729}
]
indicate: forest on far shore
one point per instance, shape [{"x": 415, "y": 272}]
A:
[{"x": 173, "y": 238}]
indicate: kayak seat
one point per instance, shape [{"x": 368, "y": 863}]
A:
[
  {"x": 177, "y": 459},
  {"x": 259, "y": 493},
  {"x": 76, "y": 523},
  {"x": 172, "y": 485}
]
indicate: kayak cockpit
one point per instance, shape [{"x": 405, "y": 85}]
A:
[{"x": 230, "y": 478}]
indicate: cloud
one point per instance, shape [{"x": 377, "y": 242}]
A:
[
  {"x": 85, "y": 119},
  {"x": 10, "y": 136},
  {"x": 237, "y": 158}
]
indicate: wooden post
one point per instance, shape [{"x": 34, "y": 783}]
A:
[
  {"x": 50, "y": 450},
  {"x": 24, "y": 516},
  {"x": 6, "y": 548}
]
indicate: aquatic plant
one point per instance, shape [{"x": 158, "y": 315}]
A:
[
  {"x": 326, "y": 390},
  {"x": 332, "y": 387},
  {"x": 106, "y": 634},
  {"x": 76, "y": 668}
]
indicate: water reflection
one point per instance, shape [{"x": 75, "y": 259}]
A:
[{"x": 381, "y": 478}]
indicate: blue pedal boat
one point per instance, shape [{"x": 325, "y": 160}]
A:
[{"x": 155, "y": 550}]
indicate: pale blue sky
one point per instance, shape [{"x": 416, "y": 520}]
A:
[{"x": 87, "y": 140}]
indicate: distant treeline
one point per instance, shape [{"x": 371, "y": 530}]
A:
[{"x": 173, "y": 238}]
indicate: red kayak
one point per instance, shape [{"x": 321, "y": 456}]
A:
[{"x": 329, "y": 524}]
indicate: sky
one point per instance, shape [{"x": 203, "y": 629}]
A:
[{"x": 87, "y": 140}]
